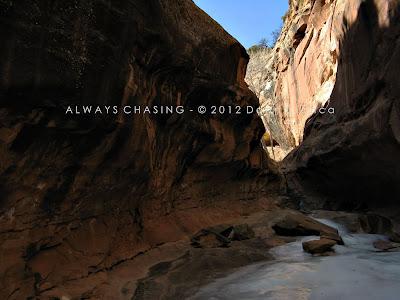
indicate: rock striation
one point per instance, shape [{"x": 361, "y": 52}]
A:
[
  {"x": 352, "y": 154},
  {"x": 330, "y": 91},
  {"x": 300, "y": 71},
  {"x": 81, "y": 195}
]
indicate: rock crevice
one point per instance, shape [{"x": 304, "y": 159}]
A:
[{"x": 329, "y": 93}]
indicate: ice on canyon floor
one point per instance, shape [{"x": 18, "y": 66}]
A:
[{"x": 357, "y": 271}]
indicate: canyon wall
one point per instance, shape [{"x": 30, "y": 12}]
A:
[
  {"x": 300, "y": 71},
  {"x": 83, "y": 194},
  {"x": 341, "y": 56}
]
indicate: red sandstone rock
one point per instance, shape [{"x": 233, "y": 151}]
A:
[
  {"x": 318, "y": 246},
  {"x": 81, "y": 195},
  {"x": 340, "y": 55},
  {"x": 385, "y": 245},
  {"x": 353, "y": 154},
  {"x": 297, "y": 224}
]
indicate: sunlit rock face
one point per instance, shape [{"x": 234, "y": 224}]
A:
[
  {"x": 342, "y": 56},
  {"x": 83, "y": 194},
  {"x": 329, "y": 87},
  {"x": 297, "y": 76},
  {"x": 354, "y": 152}
]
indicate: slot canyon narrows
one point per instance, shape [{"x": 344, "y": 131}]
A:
[{"x": 146, "y": 154}]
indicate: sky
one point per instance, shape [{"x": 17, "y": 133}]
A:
[{"x": 248, "y": 21}]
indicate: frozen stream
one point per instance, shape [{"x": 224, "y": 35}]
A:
[{"x": 357, "y": 271}]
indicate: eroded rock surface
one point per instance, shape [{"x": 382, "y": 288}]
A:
[
  {"x": 297, "y": 76},
  {"x": 82, "y": 196},
  {"x": 352, "y": 155},
  {"x": 297, "y": 224},
  {"x": 339, "y": 56}
]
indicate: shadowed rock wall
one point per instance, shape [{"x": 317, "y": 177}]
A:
[{"x": 82, "y": 194}]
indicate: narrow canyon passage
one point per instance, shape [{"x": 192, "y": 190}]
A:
[{"x": 133, "y": 163}]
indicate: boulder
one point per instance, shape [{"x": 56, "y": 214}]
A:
[
  {"x": 334, "y": 236},
  {"x": 242, "y": 232},
  {"x": 386, "y": 245},
  {"x": 297, "y": 224},
  {"x": 320, "y": 246},
  {"x": 207, "y": 238},
  {"x": 221, "y": 235}
]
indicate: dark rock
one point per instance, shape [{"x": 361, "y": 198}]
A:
[
  {"x": 350, "y": 220},
  {"x": 225, "y": 230},
  {"x": 242, "y": 232},
  {"x": 297, "y": 224},
  {"x": 334, "y": 236},
  {"x": 395, "y": 237},
  {"x": 385, "y": 245},
  {"x": 376, "y": 224},
  {"x": 206, "y": 238},
  {"x": 222, "y": 235},
  {"x": 96, "y": 190},
  {"x": 318, "y": 246}
]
